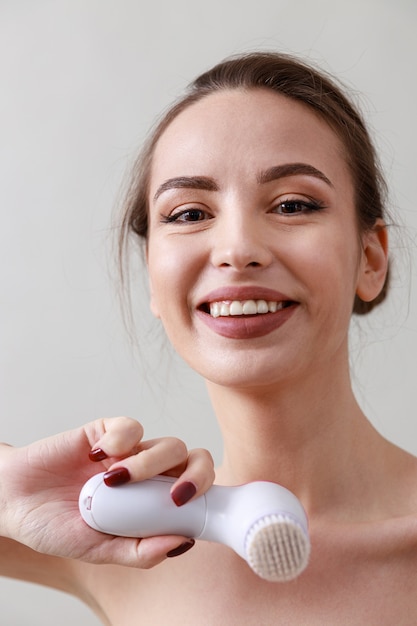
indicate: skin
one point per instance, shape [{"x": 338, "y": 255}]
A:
[
  {"x": 282, "y": 395},
  {"x": 296, "y": 377},
  {"x": 246, "y": 243}
]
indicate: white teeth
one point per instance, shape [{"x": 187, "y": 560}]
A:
[
  {"x": 245, "y": 307},
  {"x": 224, "y": 310},
  {"x": 236, "y": 308},
  {"x": 250, "y": 308},
  {"x": 262, "y": 306}
]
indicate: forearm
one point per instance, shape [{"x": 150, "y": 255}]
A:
[
  {"x": 23, "y": 563},
  {"x": 18, "y": 560}
]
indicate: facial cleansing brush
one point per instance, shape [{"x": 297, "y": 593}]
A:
[{"x": 263, "y": 522}]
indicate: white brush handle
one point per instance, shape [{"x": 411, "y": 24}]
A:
[{"x": 235, "y": 516}]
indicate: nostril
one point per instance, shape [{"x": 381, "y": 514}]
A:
[
  {"x": 250, "y": 264},
  {"x": 240, "y": 258}
]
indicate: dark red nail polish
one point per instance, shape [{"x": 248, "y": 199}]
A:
[
  {"x": 97, "y": 455},
  {"x": 184, "y": 547},
  {"x": 116, "y": 477},
  {"x": 183, "y": 493}
]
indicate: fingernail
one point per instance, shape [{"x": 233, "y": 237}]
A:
[
  {"x": 97, "y": 455},
  {"x": 116, "y": 477},
  {"x": 184, "y": 547},
  {"x": 183, "y": 493}
]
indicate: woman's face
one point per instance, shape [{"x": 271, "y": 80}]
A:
[{"x": 254, "y": 254}]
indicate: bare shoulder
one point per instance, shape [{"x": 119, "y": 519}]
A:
[
  {"x": 362, "y": 570},
  {"x": 393, "y": 514},
  {"x": 400, "y": 477}
]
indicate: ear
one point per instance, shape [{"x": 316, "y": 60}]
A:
[{"x": 374, "y": 263}]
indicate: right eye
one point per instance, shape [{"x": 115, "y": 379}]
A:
[{"x": 186, "y": 215}]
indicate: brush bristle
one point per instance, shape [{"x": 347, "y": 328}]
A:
[{"x": 277, "y": 548}]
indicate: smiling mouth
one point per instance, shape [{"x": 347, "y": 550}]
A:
[{"x": 239, "y": 308}]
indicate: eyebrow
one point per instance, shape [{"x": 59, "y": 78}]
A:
[
  {"x": 187, "y": 182},
  {"x": 291, "y": 169},
  {"x": 273, "y": 173}
]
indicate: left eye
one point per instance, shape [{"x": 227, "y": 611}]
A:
[{"x": 295, "y": 207}]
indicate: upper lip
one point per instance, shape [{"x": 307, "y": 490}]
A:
[{"x": 242, "y": 293}]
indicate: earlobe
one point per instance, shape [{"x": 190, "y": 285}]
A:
[{"x": 374, "y": 264}]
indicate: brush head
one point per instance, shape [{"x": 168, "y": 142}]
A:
[{"x": 277, "y": 548}]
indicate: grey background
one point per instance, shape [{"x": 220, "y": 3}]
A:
[{"x": 81, "y": 82}]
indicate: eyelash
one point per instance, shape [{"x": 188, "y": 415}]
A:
[{"x": 307, "y": 206}]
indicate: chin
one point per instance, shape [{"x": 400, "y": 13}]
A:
[{"x": 243, "y": 371}]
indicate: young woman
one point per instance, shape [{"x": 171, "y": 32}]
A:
[{"x": 259, "y": 202}]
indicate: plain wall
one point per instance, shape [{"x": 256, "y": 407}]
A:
[{"x": 81, "y": 82}]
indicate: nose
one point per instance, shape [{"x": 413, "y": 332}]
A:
[{"x": 241, "y": 243}]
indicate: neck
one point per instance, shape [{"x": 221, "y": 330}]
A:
[{"x": 311, "y": 437}]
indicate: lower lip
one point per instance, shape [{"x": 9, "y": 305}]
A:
[{"x": 247, "y": 326}]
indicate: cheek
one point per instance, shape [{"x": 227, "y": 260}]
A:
[
  {"x": 158, "y": 284},
  {"x": 153, "y": 304},
  {"x": 169, "y": 280},
  {"x": 328, "y": 262},
  {"x": 158, "y": 272}
]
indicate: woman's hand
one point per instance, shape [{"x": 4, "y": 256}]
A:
[{"x": 40, "y": 486}]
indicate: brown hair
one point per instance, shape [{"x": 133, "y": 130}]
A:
[{"x": 295, "y": 79}]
